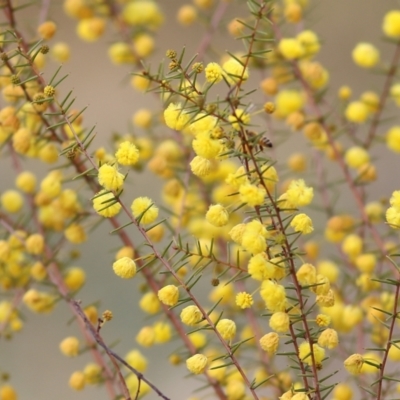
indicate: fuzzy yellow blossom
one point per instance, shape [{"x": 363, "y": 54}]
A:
[
  {"x": 121, "y": 53},
  {"x": 175, "y": 118},
  {"x": 302, "y": 223},
  {"x": 144, "y": 208},
  {"x": 357, "y": 112},
  {"x": 270, "y": 342},
  {"x": 238, "y": 178},
  {"x": 35, "y": 244},
  {"x": 239, "y": 119},
  {"x": 156, "y": 233},
  {"x": 352, "y": 245},
  {"x": 365, "y": 55},
  {"x": 207, "y": 147},
  {"x": 310, "y": 42},
  {"x": 260, "y": 268},
  {"x": 279, "y": 322},
  {"x": 127, "y": 153},
  {"x": 323, "y": 320},
  {"x": 356, "y": 157},
  {"x": 162, "y": 332},
  {"x": 11, "y": 201},
  {"x": 60, "y": 52},
  {"x": 77, "y": 380},
  {"x": 291, "y": 48},
  {"x": 299, "y": 194},
  {"x": 110, "y": 178},
  {"x": 90, "y": 29},
  {"x": 191, "y": 315},
  {"x": 328, "y": 269},
  {"x": 197, "y": 364},
  {"x": 226, "y": 328},
  {"x": 70, "y": 346},
  {"x": 214, "y": 72},
  {"x": 342, "y": 391},
  {"x": 26, "y": 181},
  {"x": 344, "y": 92},
  {"x": 39, "y": 302},
  {"x": 125, "y": 268},
  {"x": 244, "y": 300},
  {"x": 328, "y": 338},
  {"x": 142, "y": 118},
  {"x": 22, "y": 140},
  {"x": 393, "y": 217},
  {"x": 198, "y": 339},
  {"x": 38, "y": 271},
  {"x": 306, "y": 274},
  {"x": 235, "y": 71},
  {"x": 391, "y": 24},
  {"x": 354, "y": 363},
  {"x": 168, "y": 295},
  {"x": 253, "y": 237},
  {"x": 75, "y": 234},
  {"x": 305, "y": 353},
  {"x": 144, "y": 45},
  {"x": 137, "y": 360},
  {"x": 393, "y": 139},
  {"x": 7, "y": 392},
  {"x": 274, "y": 296},
  {"x": 149, "y": 303},
  {"x": 143, "y": 13},
  {"x": 236, "y": 233},
  {"x": 187, "y": 14},
  {"x": 287, "y": 102},
  {"x": 74, "y": 278},
  {"x": 146, "y": 336},
  {"x": 47, "y": 30},
  {"x": 366, "y": 262},
  {"x": 252, "y": 195},
  {"x": 105, "y": 204},
  {"x": 217, "y": 215},
  {"x": 201, "y": 166},
  {"x": 297, "y": 162}
]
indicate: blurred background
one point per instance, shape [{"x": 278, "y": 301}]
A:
[{"x": 38, "y": 370}]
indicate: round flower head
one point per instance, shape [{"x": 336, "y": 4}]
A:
[
  {"x": 125, "y": 268},
  {"x": 35, "y": 244},
  {"x": 305, "y": 353},
  {"x": 299, "y": 194},
  {"x": 149, "y": 303},
  {"x": 274, "y": 296},
  {"x": 144, "y": 209},
  {"x": 226, "y": 328},
  {"x": 75, "y": 234},
  {"x": 391, "y": 24},
  {"x": 217, "y": 215},
  {"x": 12, "y": 201},
  {"x": 207, "y": 147},
  {"x": 244, "y": 300},
  {"x": 279, "y": 322},
  {"x": 77, "y": 380},
  {"x": 260, "y": 268},
  {"x": 168, "y": 295},
  {"x": 343, "y": 391},
  {"x": 393, "y": 139},
  {"x": 175, "y": 117},
  {"x": 306, "y": 274},
  {"x": 105, "y": 204},
  {"x": 365, "y": 55},
  {"x": 287, "y": 102},
  {"x": 270, "y": 342},
  {"x": 197, "y": 364},
  {"x": 127, "y": 154},
  {"x": 137, "y": 360},
  {"x": 191, "y": 315},
  {"x": 213, "y": 72},
  {"x": 393, "y": 217},
  {"x": 291, "y": 48},
  {"x": 239, "y": 119},
  {"x": 143, "y": 13},
  {"x": 357, "y": 112},
  {"x": 309, "y": 41},
  {"x": 162, "y": 331},
  {"x": 110, "y": 178},
  {"x": 26, "y": 181},
  {"x": 201, "y": 166},
  {"x": 302, "y": 223},
  {"x": 146, "y": 336},
  {"x": 328, "y": 338},
  {"x": 235, "y": 71},
  {"x": 90, "y": 29},
  {"x": 252, "y": 195},
  {"x": 354, "y": 363},
  {"x": 70, "y": 346},
  {"x": 74, "y": 278}
]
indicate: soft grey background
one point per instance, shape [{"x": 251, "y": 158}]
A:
[{"x": 38, "y": 370}]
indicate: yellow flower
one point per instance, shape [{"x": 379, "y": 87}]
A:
[
  {"x": 74, "y": 278},
  {"x": 270, "y": 342},
  {"x": 7, "y": 392},
  {"x": 328, "y": 338},
  {"x": 110, "y": 178},
  {"x": 75, "y": 234},
  {"x": 287, "y": 102},
  {"x": 149, "y": 303},
  {"x": 279, "y": 322},
  {"x": 306, "y": 274},
  {"x": 302, "y": 223},
  {"x": 201, "y": 166},
  {"x": 125, "y": 268},
  {"x": 291, "y": 48},
  {"x": 136, "y": 360},
  {"x": 121, "y": 53},
  {"x": 105, "y": 204},
  {"x": 274, "y": 296},
  {"x": 187, "y": 14},
  {"x": 175, "y": 118},
  {"x": 144, "y": 209},
  {"x": 252, "y": 195},
  {"x": 357, "y": 112},
  {"x": 77, "y": 380},
  {"x": 393, "y": 139},
  {"x": 226, "y": 328},
  {"x": 142, "y": 13},
  {"x": 146, "y": 336},
  {"x": 207, "y": 147},
  {"x": 60, "y": 52},
  {"x": 239, "y": 119},
  {"x": 35, "y": 244},
  {"x": 254, "y": 237},
  {"x": 144, "y": 45},
  {"x": 70, "y": 346},
  {"x": 168, "y": 295},
  {"x": 343, "y": 391},
  {"x": 354, "y": 363},
  {"x": 391, "y": 24},
  {"x": 244, "y": 300},
  {"x": 90, "y": 29},
  {"x": 365, "y": 55},
  {"x": 191, "y": 315},
  {"x": 217, "y": 215},
  {"x": 305, "y": 353},
  {"x": 260, "y": 268},
  {"x": 26, "y": 181},
  {"x": 11, "y": 201},
  {"x": 197, "y": 364},
  {"x": 47, "y": 30},
  {"x": 127, "y": 153},
  {"x": 235, "y": 71},
  {"x": 213, "y": 72},
  {"x": 299, "y": 194}
]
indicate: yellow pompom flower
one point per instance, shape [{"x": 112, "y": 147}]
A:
[
  {"x": 75, "y": 233},
  {"x": 142, "y": 13},
  {"x": 35, "y": 244},
  {"x": 306, "y": 274},
  {"x": 191, "y": 315},
  {"x": 136, "y": 360},
  {"x": 90, "y": 29},
  {"x": 260, "y": 268},
  {"x": 197, "y": 364},
  {"x": 253, "y": 237},
  {"x": 207, "y": 147},
  {"x": 226, "y": 328},
  {"x": 149, "y": 303},
  {"x": 393, "y": 139},
  {"x": 342, "y": 391},
  {"x": 26, "y": 181},
  {"x": 213, "y": 73},
  {"x": 310, "y": 42},
  {"x": 235, "y": 71},
  {"x": 127, "y": 154},
  {"x": 244, "y": 300},
  {"x": 142, "y": 118},
  {"x": 287, "y": 102},
  {"x": 144, "y": 208},
  {"x": 187, "y": 14},
  {"x": 162, "y": 332},
  {"x": 40, "y": 302},
  {"x": 121, "y": 53},
  {"x": 217, "y": 215},
  {"x": 239, "y": 119},
  {"x": 393, "y": 217},
  {"x": 146, "y": 336},
  {"x": 252, "y": 195},
  {"x": 125, "y": 268},
  {"x": 391, "y": 24},
  {"x": 365, "y": 55},
  {"x": 274, "y": 296},
  {"x": 279, "y": 322},
  {"x": 323, "y": 320},
  {"x": 105, "y": 204},
  {"x": 47, "y": 29},
  {"x": 302, "y": 223},
  {"x": 77, "y": 380},
  {"x": 354, "y": 363},
  {"x": 70, "y": 346},
  {"x": 74, "y": 278},
  {"x": 356, "y": 157},
  {"x": 357, "y": 112},
  {"x": 270, "y": 342},
  {"x": 169, "y": 295},
  {"x": 299, "y": 194},
  {"x": 110, "y": 178},
  {"x": 395, "y": 199},
  {"x": 144, "y": 45},
  {"x": 198, "y": 339},
  {"x": 60, "y": 52},
  {"x": 175, "y": 118},
  {"x": 352, "y": 245},
  {"x": 12, "y": 201},
  {"x": 305, "y": 353},
  {"x": 201, "y": 166},
  {"x": 291, "y": 48},
  {"x": 328, "y": 338}
]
